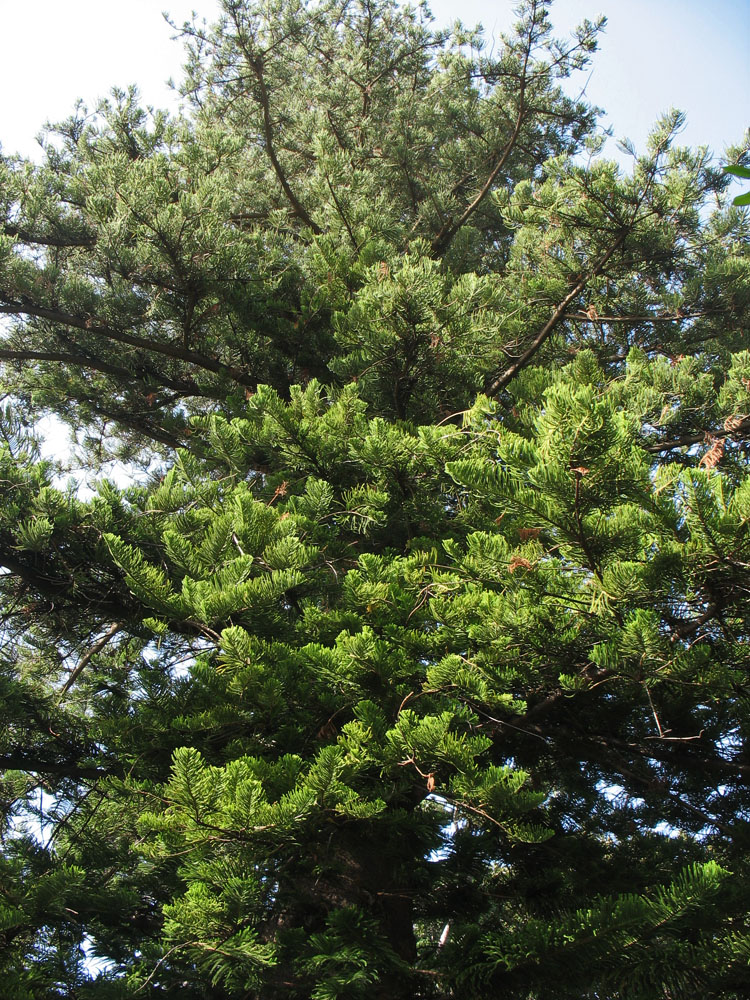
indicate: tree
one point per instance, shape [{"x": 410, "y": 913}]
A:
[{"x": 416, "y": 664}]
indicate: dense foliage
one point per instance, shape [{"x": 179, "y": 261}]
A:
[{"x": 416, "y": 662}]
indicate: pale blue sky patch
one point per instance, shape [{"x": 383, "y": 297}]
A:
[{"x": 53, "y": 53}]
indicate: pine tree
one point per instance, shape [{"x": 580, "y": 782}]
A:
[{"x": 415, "y": 662}]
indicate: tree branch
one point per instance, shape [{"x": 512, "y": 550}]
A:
[
  {"x": 90, "y": 325},
  {"x": 741, "y": 430},
  {"x": 678, "y": 317},
  {"x": 449, "y": 230},
  {"x": 58, "y": 242},
  {"x": 18, "y": 761},
  {"x": 256, "y": 64},
  {"x": 92, "y": 651},
  {"x": 96, "y": 364},
  {"x": 510, "y": 373}
]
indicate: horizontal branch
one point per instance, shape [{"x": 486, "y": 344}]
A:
[
  {"x": 678, "y": 317},
  {"x": 19, "y": 761},
  {"x": 92, "y": 326},
  {"x": 59, "y": 242},
  {"x": 141, "y": 423},
  {"x": 185, "y": 386},
  {"x": 742, "y": 429}
]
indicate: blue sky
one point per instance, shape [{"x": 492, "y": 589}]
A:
[{"x": 655, "y": 54}]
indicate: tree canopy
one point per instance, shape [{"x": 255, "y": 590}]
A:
[{"x": 415, "y": 662}]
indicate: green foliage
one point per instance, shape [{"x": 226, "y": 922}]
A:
[
  {"x": 744, "y": 172},
  {"x": 414, "y": 663}
]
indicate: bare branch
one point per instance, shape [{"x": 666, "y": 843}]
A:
[{"x": 85, "y": 659}]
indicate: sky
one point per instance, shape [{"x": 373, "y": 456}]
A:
[{"x": 655, "y": 54}]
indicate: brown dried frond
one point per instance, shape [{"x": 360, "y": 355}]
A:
[
  {"x": 734, "y": 421},
  {"x": 280, "y": 491},
  {"x": 714, "y": 454},
  {"x": 518, "y": 562},
  {"x": 529, "y": 534}
]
